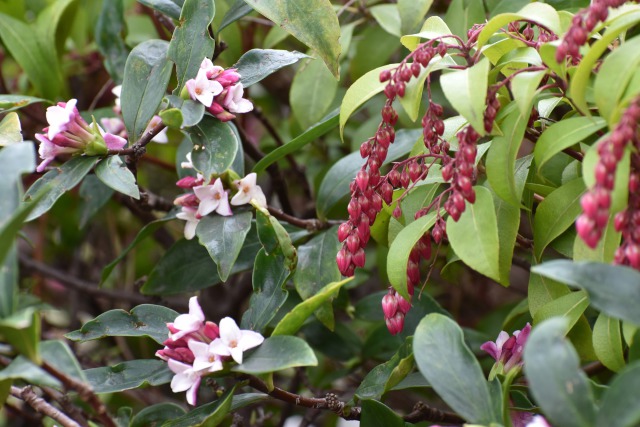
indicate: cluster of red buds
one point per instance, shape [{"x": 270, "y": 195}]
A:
[
  {"x": 597, "y": 202},
  {"x": 582, "y": 24},
  {"x": 394, "y": 307},
  {"x": 460, "y": 172},
  {"x": 527, "y": 35}
]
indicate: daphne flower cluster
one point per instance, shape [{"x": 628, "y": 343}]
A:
[
  {"x": 213, "y": 197},
  {"x": 196, "y": 347},
  {"x": 69, "y": 133},
  {"x": 219, "y": 90},
  {"x": 507, "y": 350}
]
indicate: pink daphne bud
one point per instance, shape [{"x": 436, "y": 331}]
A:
[
  {"x": 211, "y": 330},
  {"x": 189, "y": 182},
  {"x": 395, "y": 324},
  {"x": 403, "y": 305},
  {"x": 389, "y": 304}
]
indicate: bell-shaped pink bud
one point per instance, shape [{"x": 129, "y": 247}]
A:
[
  {"x": 395, "y": 324},
  {"x": 389, "y": 304},
  {"x": 343, "y": 231},
  {"x": 211, "y": 330},
  {"x": 362, "y": 179},
  {"x": 343, "y": 259},
  {"x": 403, "y": 305},
  {"x": 358, "y": 258}
]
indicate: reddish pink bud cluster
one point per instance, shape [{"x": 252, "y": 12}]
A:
[
  {"x": 596, "y": 203},
  {"x": 179, "y": 349},
  {"x": 493, "y": 106},
  {"x": 460, "y": 172},
  {"x": 394, "y": 307},
  {"x": 582, "y": 24},
  {"x": 628, "y": 221},
  {"x": 433, "y": 129}
]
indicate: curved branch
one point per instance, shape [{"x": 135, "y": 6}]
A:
[{"x": 42, "y": 406}]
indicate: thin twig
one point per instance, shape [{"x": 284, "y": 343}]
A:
[
  {"x": 42, "y": 406},
  {"x": 422, "y": 412},
  {"x": 311, "y": 224}
]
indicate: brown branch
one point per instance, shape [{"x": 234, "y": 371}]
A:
[
  {"x": 311, "y": 224},
  {"x": 85, "y": 392},
  {"x": 422, "y": 412},
  {"x": 42, "y": 406},
  {"x": 66, "y": 404}
]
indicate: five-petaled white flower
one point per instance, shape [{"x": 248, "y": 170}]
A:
[
  {"x": 187, "y": 323},
  {"x": 203, "y": 89},
  {"x": 248, "y": 190},
  {"x": 233, "y": 341},
  {"x": 212, "y": 198},
  {"x": 59, "y": 117},
  {"x": 234, "y": 101},
  {"x": 205, "y": 359},
  {"x": 185, "y": 378}
]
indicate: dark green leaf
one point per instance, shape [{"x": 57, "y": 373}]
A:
[
  {"x": 144, "y": 320},
  {"x": 385, "y": 376},
  {"x": 15, "y": 102},
  {"x": 275, "y": 239},
  {"x": 114, "y": 173},
  {"x": 619, "y": 404},
  {"x": 312, "y": 92},
  {"x": 146, "y": 76},
  {"x": 238, "y": 9},
  {"x": 171, "y": 8},
  {"x": 109, "y": 38},
  {"x": 558, "y": 384},
  {"x": 214, "y": 146},
  {"x": 128, "y": 375},
  {"x": 153, "y": 416},
  {"x": 269, "y": 292},
  {"x": 376, "y": 414},
  {"x": 22, "y": 330},
  {"x": 276, "y": 354},
  {"x": 223, "y": 236},
  {"x": 452, "y": 370},
  {"x": 313, "y": 22},
  {"x": 209, "y": 415},
  {"x": 192, "y": 112},
  {"x": 58, "y": 181},
  {"x": 257, "y": 64},
  {"x": 191, "y": 42},
  {"x": 613, "y": 289},
  {"x": 94, "y": 195}
]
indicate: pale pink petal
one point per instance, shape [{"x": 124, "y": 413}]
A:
[
  {"x": 229, "y": 331},
  {"x": 178, "y": 367},
  {"x": 220, "y": 348},
  {"x": 114, "y": 142},
  {"x": 249, "y": 180},
  {"x": 259, "y": 198},
  {"x": 240, "y": 198},
  {"x": 236, "y": 354},
  {"x": 250, "y": 339},
  {"x": 195, "y": 310},
  {"x": 192, "y": 394},
  {"x": 242, "y": 106},
  {"x": 200, "y": 350},
  {"x": 215, "y": 88},
  {"x": 502, "y": 338},
  {"x": 223, "y": 208}
]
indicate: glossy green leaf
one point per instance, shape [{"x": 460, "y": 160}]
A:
[
  {"x": 524, "y": 87},
  {"x": 10, "y": 130},
  {"x": 501, "y": 158},
  {"x": 58, "y": 181},
  {"x": 412, "y": 12},
  {"x": 215, "y": 145},
  {"x": 515, "y": 60},
  {"x": 22, "y": 331},
  {"x": 146, "y": 76},
  {"x": 144, "y": 232},
  {"x": 614, "y": 75},
  {"x": 563, "y": 135},
  {"x": 191, "y": 41},
  {"x": 400, "y": 249},
  {"x": 237, "y": 10},
  {"x": 223, "y": 236},
  {"x": 187, "y": 267},
  {"x": 474, "y": 237},
  {"x": 556, "y": 381},
  {"x": 543, "y": 290},
  {"x": 52, "y": 25},
  {"x": 154, "y": 415},
  {"x": 171, "y": 8},
  {"x": 360, "y": 92},
  {"x": 109, "y": 29},
  {"x": 269, "y": 292},
  {"x": 10, "y": 102},
  {"x": 335, "y": 184},
  {"x": 570, "y": 306},
  {"x": 293, "y": 320},
  {"x": 192, "y": 112},
  {"x": 581, "y": 78},
  {"x": 466, "y": 90},
  {"x": 276, "y": 354},
  {"x": 539, "y": 13},
  {"x": 388, "y": 374},
  {"x": 556, "y": 213},
  {"x": 618, "y": 407},
  {"x": 256, "y": 64},
  {"x": 612, "y": 289},
  {"x": 377, "y": 414},
  {"x": 275, "y": 239},
  {"x": 128, "y": 375},
  {"x": 313, "y": 22},
  {"x": 508, "y": 216},
  {"x": 311, "y": 134},
  {"x": 388, "y": 17},
  {"x": 144, "y": 320},
  {"x": 452, "y": 370},
  {"x": 607, "y": 342},
  {"x": 114, "y": 173},
  {"x": 312, "y": 92},
  {"x": 209, "y": 415},
  {"x": 432, "y": 28}
]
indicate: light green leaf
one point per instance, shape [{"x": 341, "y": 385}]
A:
[
  {"x": 474, "y": 237},
  {"x": 452, "y": 370},
  {"x": 570, "y": 306},
  {"x": 377, "y": 414},
  {"x": 215, "y": 145},
  {"x": 128, "y": 375},
  {"x": 224, "y": 236},
  {"x": 114, "y": 173},
  {"x": 412, "y": 12},
  {"x": 10, "y": 130},
  {"x": 607, "y": 342},
  {"x": 388, "y": 374},
  {"x": 556, "y": 213},
  {"x": 257, "y": 64},
  {"x": 22, "y": 331},
  {"x": 433, "y": 27},
  {"x": 543, "y": 290},
  {"x": 312, "y": 92},
  {"x": 313, "y": 22},
  {"x": 191, "y": 42},
  {"x": 524, "y": 87},
  {"x": 10, "y": 102},
  {"x": 388, "y": 16},
  {"x": 144, "y": 320},
  {"x": 466, "y": 90},
  {"x": 556, "y": 381},
  {"x": 277, "y": 353}
]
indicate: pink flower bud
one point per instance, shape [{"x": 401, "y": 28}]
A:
[
  {"x": 188, "y": 182},
  {"x": 211, "y": 330},
  {"x": 343, "y": 231},
  {"x": 385, "y": 75},
  {"x": 632, "y": 252},
  {"x": 364, "y": 230},
  {"x": 389, "y": 304},
  {"x": 354, "y": 209},
  {"x": 358, "y": 258},
  {"x": 403, "y": 305},
  {"x": 395, "y": 324},
  {"x": 365, "y": 149},
  {"x": 353, "y": 243},
  {"x": 362, "y": 179},
  {"x": 343, "y": 259},
  {"x": 413, "y": 272}
]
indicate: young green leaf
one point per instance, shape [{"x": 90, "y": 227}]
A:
[
  {"x": 10, "y": 129},
  {"x": 433, "y": 27},
  {"x": 524, "y": 87},
  {"x": 569, "y": 306},
  {"x": 113, "y": 172}
]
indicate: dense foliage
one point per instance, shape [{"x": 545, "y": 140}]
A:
[{"x": 430, "y": 217}]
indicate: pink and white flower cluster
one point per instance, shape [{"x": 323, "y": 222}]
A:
[
  {"x": 207, "y": 198},
  {"x": 196, "y": 348},
  {"x": 69, "y": 133},
  {"x": 507, "y": 350},
  {"x": 219, "y": 90}
]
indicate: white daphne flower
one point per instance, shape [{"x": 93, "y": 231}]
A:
[
  {"x": 205, "y": 359},
  {"x": 203, "y": 89},
  {"x": 212, "y": 198},
  {"x": 247, "y": 191},
  {"x": 234, "y": 102},
  {"x": 185, "y": 378},
  {"x": 190, "y": 215},
  {"x": 233, "y": 341},
  {"x": 187, "y": 323}
]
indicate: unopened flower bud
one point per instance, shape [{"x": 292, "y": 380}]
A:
[
  {"x": 403, "y": 305},
  {"x": 395, "y": 324},
  {"x": 389, "y": 304}
]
